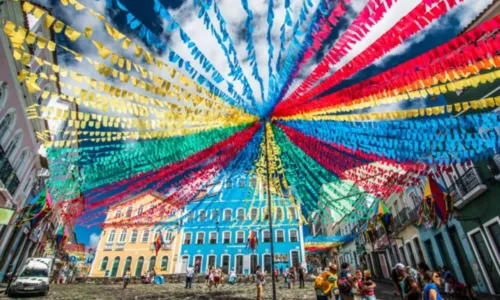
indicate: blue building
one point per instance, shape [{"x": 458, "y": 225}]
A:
[{"x": 218, "y": 222}]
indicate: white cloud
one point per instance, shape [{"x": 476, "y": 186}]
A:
[{"x": 94, "y": 239}]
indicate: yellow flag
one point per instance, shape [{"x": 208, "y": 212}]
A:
[
  {"x": 72, "y": 34},
  {"x": 27, "y": 7},
  {"x": 58, "y": 26},
  {"x": 88, "y": 32},
  {"x": 38, "y": 13}
]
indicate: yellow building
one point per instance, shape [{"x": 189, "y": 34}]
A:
[{"x": 131, "y": 244}]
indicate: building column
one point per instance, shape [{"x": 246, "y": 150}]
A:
[{"x": 302, "y": 249}]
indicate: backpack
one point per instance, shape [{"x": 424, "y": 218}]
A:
[
  {"x": 321, "y": 282},
  {"x": 345, "y": 285}
]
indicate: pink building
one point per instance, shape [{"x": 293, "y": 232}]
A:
[{"x": 19, "y": 146}]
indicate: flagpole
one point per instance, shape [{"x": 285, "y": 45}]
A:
[{"x": 269, "y": 210}]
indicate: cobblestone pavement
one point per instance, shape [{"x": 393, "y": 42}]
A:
[{"x": 174, "y": 291}]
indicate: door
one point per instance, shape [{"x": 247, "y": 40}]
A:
[
  {"x": 411, "y": 255},
  {"x": 267, "y": 263},
  {"x": 184, "y": 264},
  {"x": 295, "y": 258},
  {"x": 430, "y": 253},
  {"x": 239, "y": 264},
  {"x": 138, "y": 268},
  {"x": 403, "y": 255},
  {"x": 487, "y": 261},
  {"x": 152, "y": 263},
  {"x": 116, "y": 264},
  {"x": 444, "y": 253},
  {"x": 462, "y": 258},
  {"x": 225, "y": 264},
  {"x": 128, "y": 262},
  {"x": 253, "y": 263},
  {"x": 211, "y": 260},
  {"x": 383, "y": 265},
  {"x": 197, "y": 263}
]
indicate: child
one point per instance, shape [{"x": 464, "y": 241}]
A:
[{"x": 368, "y": 286}]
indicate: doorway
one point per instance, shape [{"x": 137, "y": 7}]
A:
[
  {"x": 295, "y": 258},
  {"x": 184, "y": 263},
  {"x": 198, "y": 263},
  {"x": 225, "y": 264},
  {"x": 462, "y": 258},
  {"x": 444, "y": 253},
  {"x": 116, "y": 264},
  {"x": 253, "y": 263},
  {"x": 487, "y": 262},
  {"x": 239, "y": 264},
  {"x": 267, "y": 263},
  {"x": 211, "y": 261}
]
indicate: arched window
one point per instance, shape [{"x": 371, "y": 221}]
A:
[
  {"x": 168, "y": 236},
  {"x": 279, "y": 213},
  {"x": 152, "y": 263},
  {"x": 11, "y": 148},
  {"x": 200, "y": 238},
  {"x": 111, "y": 237},
  {"x": 104, "y": 263},
  {"x": 145, "y": 236},
  {"x": 280, "y": 236},
  {"x": 164, "y": 263},
  {"x": 140, "y": 210},
  {"x": 127, "y": 265},
  {"x": 240, "y": 214},
  {"x": 129, "y": 211},
  {"x": 7, "y": 123},
  {"x": 118, "y": 213},
  {"x": 226, "y": 237},
  {"x": 3, "y": 93},
  {"x": 116, "y": 264},
  {"x": 123, "y": 236},
  {"x": 227, "y": 215},
  {"x": 138, "y": 268},
  {"x": 133, "y": 238},
  {"x": 20, "y": 159},
  {"x": 215, "y": 215},
  {"x": 240, "y": 237}
]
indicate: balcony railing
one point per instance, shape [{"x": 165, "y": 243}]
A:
[
  {"x": 108, "y": 246},
  {"x": 467, "y": 187},
  {"x": 7, "y": 174},
  {"x": 120, "y": 246}
]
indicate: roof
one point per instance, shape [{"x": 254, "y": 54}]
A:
[{"x": 488, "y": 13}]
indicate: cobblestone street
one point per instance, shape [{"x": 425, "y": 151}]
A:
[{"x": 177, "y": 291}]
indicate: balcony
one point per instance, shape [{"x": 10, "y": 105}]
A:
[
  {"x": 108, "y": 246},
  {"x": 8, "y": 177},
  {"x": 120, "y": 246},
  {"x": 380, "y": 232},
  {"x": 467, "y": 187}
]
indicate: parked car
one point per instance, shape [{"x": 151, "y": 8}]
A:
[{"x": 33, "y": 278}]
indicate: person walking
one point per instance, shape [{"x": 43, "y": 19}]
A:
[
  {"x": 325, "y": 285},
  {"x": 346, "y": 281},
  {"x": 302, "y": 273},
  {"x": 189, "y": 277},
  {"x": 276, "y": 274},
  {"x": 286, "y": 277},
  {"x": 431, "y": 291},
  {"x": 259, "y": 278},
  {"x": 422, "y": 267},
  {"x": 291, "y": 276},
  {"x": 368, "y": 286},
  {"x": 232, "y": 277},
  {"x": 126, "y": 278},
  {"x": 409, "y": 286}
]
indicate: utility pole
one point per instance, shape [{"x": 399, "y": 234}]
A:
[{"x": 269, "y": 210}]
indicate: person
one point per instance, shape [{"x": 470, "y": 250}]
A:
[
  {"x": 276, "y": 274},
  {"x": 302, "y": 273},
  {"x": 286, "y": 277},
  {"x": 447, "y": 277},
  {"x": 357, "y": 285},
  {"x": 259, "y": 278},
  {"x": 431, "y": 291},
  {"x": 207, "y": 275},
  {"x": 217, "y": 274},
  {"x": 232, "y": 277},
  {"x": 189, "y": 277},
  {"x": 147, "y": 277},
  {"x": 326, "y": 284},
  {"x": 126, "y": 278},
  {"x": 345, "y": 281},
  {"x": 211, "y": 278},
  {"x": 422, "y": 267},
  {"x": 291, "y": 277},
  {"x": 409, "y": 287},
  {"x": 368, "y": 286},
  {"x": 395, "y": 280}
]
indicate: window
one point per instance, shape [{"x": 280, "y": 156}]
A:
[
  {"x": 292, "y": 215},
  {"x": 280, "y": 236},
  {"x": 240, "y": 214},
  {"x": 226, "y": 237},
  {"x": 145, "y": 236},
  {"x": 191, "y": 217},
  {"x": 240, "y": 237},
  {"x": 200, "y": 237},
  {"x": 11, "y": 148},
  {"x": 168, "y": 236},
  {"x": 152, "y": 263},
  {"x": 138, "y": 268},
  {"x": 293, "y": 236},
  {"x": 420, "y": 254},
  {"x": 20, "y": 159},
  {"x": 227, "y": 215},
  {"x": 215, "y": 215},
  {"x": 140, "y": 210},
  {"x": 129, "y": 211},
  {"x": 403, "y": 255},
  {"x": 118, "y": 213},
  {"x": 279, "y": 213},
  {"x": 111, "y": 237},
  {"x": 123, "y": 236},
  {"x": 187, "y": 238},
  {"x": 203, "y": 216},
  {"x": 213, "y": 238},
  {"x": 411, "y": 255},
  {"x": 114, "y": 269},
  {"x": 229, "y": 184},
  {"x": 254, "y": 214},
  {"x": 241, "y": 183},
  {"x": 266, "y": 237},
  {"x": 7, "y": 123},
  {"x": 133, "y": 238},
  {"x": 3, "y": 94},
  {"x": 164, "y": 263},
  {"x": 104, "y": 263}
]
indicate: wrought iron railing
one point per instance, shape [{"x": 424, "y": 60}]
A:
[
  {"x": 7, "y": 173},
  {"x": 468, "y": 181}
]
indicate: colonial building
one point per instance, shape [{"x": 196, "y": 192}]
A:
[
  {"x": 218, "y": 224},
  {"x": 130, "y": 243},
  {"x": 19, "y": 159}
]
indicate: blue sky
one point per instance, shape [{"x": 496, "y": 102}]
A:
[{"x": 437, "y": 33}]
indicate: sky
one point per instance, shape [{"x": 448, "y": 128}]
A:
[{"x": 235, "y": 16}]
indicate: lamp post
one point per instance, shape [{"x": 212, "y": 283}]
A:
[{"x": 269, "y": 210}]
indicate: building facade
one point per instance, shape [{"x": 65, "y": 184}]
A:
[
  {"x": 218, "y": 223},
  {"x": 132, "y": 244},
  {"x": 19, "y": 159}
]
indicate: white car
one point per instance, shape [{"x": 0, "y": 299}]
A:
[{"x": 33, "y": 278}]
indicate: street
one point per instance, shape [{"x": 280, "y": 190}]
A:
[{"x": 177, "y": 291}]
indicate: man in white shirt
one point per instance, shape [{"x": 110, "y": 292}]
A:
[{"x": 189, "y": 277}]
